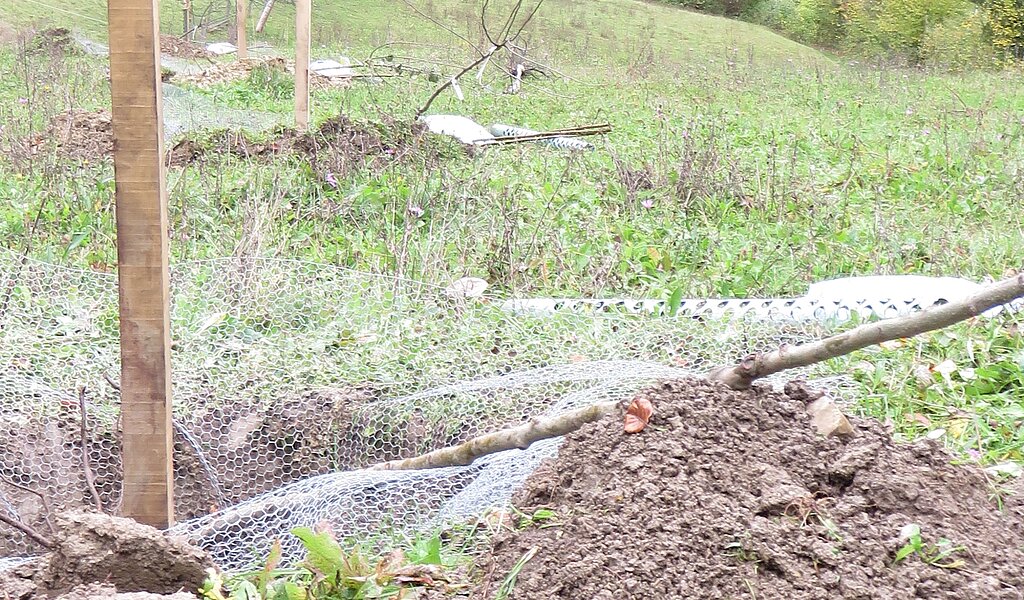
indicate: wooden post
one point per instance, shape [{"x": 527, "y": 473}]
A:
[
  {"x": 303, "y": 10},
  {"x": 141, "y": 201},
  {"x": 186, "y": 9},
  {"x": 241, "y": 15}
]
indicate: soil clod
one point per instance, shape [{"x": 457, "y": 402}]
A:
[{"x": 733, "y": 494}]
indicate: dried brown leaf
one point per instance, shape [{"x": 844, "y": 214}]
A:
[{"x": 638, "y": 415}]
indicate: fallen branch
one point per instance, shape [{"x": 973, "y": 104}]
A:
[
  {"x": 516, "y": 437},
  {"x": 90, "y": 478},
  {"x": 755, "y": 366},
  {"x": 546, "y": 135},
  {"x": 32, "y": 534},
  {"x": 737, "y": 377},
  {"x": 47, "y": 512}
]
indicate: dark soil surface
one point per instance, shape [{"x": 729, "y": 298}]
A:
[
  {"x": 733, "y": 495},
  {"x": 124, "y": 556},
  {"x": 177, "y": 47},
  {"x": 78, "y": 134},
  {"x": 339, "y": 146}
]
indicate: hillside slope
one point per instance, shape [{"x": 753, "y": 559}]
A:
[{"x": 598, "y": 31}]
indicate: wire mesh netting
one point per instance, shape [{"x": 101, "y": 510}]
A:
[{"x": 290, "y": 377}]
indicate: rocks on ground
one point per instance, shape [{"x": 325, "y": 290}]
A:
[{"x": 731, "y": 494}]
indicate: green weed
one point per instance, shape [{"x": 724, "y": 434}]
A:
[{"x": 940, "y": 554}]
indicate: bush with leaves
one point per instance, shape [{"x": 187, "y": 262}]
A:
[{"x": 330, "y": 572}]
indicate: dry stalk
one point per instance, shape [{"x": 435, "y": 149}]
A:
[{"x": 90, "y": 477}]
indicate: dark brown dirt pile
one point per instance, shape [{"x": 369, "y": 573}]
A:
[
  {"x": 78, "y": 134},
  {"x": 56, "y": 41},
  {"x": 180, "y": 48},
  {"x": 732, "y": 495},
  {"x": 121, "y": 554},
  {"x": 338, "y": 147}
]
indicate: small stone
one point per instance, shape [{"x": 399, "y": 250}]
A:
[{"x": 828, "y": 419}]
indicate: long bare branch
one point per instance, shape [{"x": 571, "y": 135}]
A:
[
  {"x": 448, "y": 83},
  {"x": 516, "y": 437},
  {"x": 739, "y": 376},
  {"x": 755, "y": 366}
]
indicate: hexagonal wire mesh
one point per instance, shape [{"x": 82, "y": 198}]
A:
[{"x": 290, "y": 376}]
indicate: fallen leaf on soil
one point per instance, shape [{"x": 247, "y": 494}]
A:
[{"x": 638, "y": 415}]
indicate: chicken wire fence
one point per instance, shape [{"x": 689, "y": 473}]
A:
[{"x": 291, "y": 377}]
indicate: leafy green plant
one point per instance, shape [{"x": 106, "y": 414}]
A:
[
  {"x": 940, "y": 554},
  {"x": 331, "y": 572}
]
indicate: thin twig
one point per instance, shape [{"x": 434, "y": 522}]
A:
[
  {"x": 90, "y": 478},
  {"x": 448, "y": 83},
  {"x": 29, "y": 532},
  {"x": 42, "y": 498},
  {"x": 111, "y": 383}
]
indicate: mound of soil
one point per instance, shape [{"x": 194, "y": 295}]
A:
[
  {"x": 78, "y": 134},
  {"x": 99, "y": 591},
  {"x": 338, "y": 146},
  {"x": 121, "y": 554},
  {"x": 55, "y": 41},
  {"x": 179, "y": 48},
  {"x": 732, "y": 494}
]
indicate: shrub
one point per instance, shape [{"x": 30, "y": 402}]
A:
[
  {"x": 1006, "y": 26},
  {"x": 959, "y": 42}
]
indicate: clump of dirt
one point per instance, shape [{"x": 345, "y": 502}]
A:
[
  {"x": 730, "y": 494},
  {"x": 181, "y": 48},
  {"x": 228, "y": 72},
  {"x": 337, "y": 147},
  {"x": 121, "y": 554},
  {"x": 55, "y": 41},
  {"x": 78, "y": 134}
]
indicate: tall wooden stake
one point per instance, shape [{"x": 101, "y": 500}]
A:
[
  {"x": 303, "y": 11},
  {"x": 241, "y": 15},
  {"x": 141, "y": 199}
]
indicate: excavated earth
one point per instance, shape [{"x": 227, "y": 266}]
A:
[
  {"x": 732, "y": 494},
  {"x": 99, "y": 557}
]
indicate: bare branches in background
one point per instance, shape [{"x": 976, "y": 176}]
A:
[{"x": 506, "y": 36}]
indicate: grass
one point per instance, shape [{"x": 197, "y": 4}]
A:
[{"x": 741, "y": 164}]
